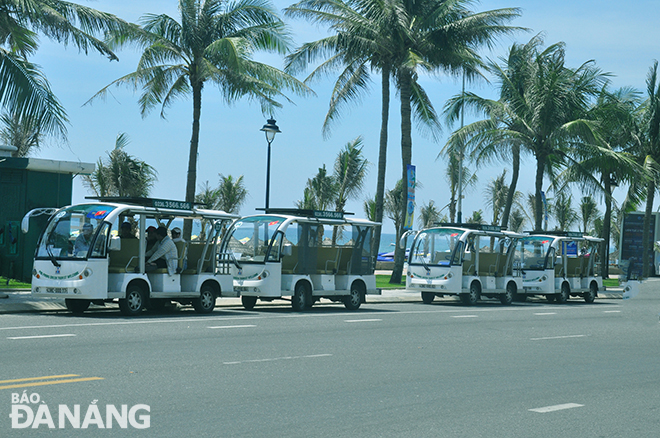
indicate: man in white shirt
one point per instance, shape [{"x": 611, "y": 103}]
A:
[{"x": 165, "y": 254}]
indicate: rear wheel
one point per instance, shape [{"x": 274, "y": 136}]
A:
[
  {"x": 134, "y": 302},
  {"x": 248, "y": 302},
  {"x": 472, "y": 297},
  {"x": 206, "y": 301},
  {"x": 76, "y": 306},
  {"x": 590, "y": 296},
  {"x": 353, "y": 301},
  {"x": 428, "y": 297},
  {"x": 551, "y": 298},
  {"x": 507, "y": 297}
]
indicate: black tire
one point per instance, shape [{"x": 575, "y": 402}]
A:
[
  {"x": 76, "y": 306},
  {"x": 353, "y": 301},
  {"x": 507, "y": 297},
  {"x": 302, "y": 297},
  {"x": 206, "y": 301},
  {"x": 565, "y": 293},
  {"x": 519, "y": 298},
  {"x": 590, "y": 296},
  {"x": 134, "y": 302},
  {"x": 248, "y": 302},
  {"x": 551, "y": 298},
  {"x": 428, "y": 297},
  {"x": 471, "y": 298}
]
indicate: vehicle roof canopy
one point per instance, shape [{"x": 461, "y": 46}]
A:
[
  {"x": 565, "y": 235},
  {"x": 317, "y": 216},
  {"x": 158, "y": 207}
]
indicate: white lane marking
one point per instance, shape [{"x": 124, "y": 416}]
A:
[
  {"x": 232, "y": 326},
  {"x": 42, "y": 336},
  {"x": 554, "y": 408},
  {"x": 362, "y": 320},
  {"x": 612, "y": 311},
  {"x": 557, "y": 337},
  {"x": 273, "y": 359},
  {"x": 546, "y": 313},
  {"x": 242, "y": 316},
  {"x": 465, "y": 316}
]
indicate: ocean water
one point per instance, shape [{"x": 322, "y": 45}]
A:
[{"x": 387, "y": 242}]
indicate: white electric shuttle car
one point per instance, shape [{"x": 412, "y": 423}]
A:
[
  {"x": 83, "y": 256},
  {"x": 302, "y": 255},
  {"x": 464, "y": 260},
  {"x": 560, "y": 265}
]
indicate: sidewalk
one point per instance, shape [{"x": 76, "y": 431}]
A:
[{"x": 22, "y": 301}]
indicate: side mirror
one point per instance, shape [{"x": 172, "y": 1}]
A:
[
  {"x": 402, "y": 241},
  {"x": 287, "y": 250},
  {"x": 115, "y": 244}
]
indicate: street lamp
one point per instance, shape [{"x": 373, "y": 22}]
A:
[{"x": 270, "y": 128}]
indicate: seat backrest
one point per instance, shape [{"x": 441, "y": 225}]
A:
[
  {"x": 195, "y": 253},
  {"x": 119, "y": 260}
]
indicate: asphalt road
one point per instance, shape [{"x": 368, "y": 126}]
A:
[{"x": 387, "y": 370}]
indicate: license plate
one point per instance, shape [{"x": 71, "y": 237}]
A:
[{"x": 57, "y": 290}]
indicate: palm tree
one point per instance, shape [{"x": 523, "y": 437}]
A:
[
  {"x": 232, "y": 194},
  {"x": 429, "y": 215},
  {"x": 469, "y": 180},
  {"x": 476, "y": 218},
  {"x": 651, "y": 135},
  {"x": 121, "y": 174},
  {"x": 402, "y": 39},
  {"x": 213, "y": 43},
  {"x": 350, "y": 172},
  {"x": 542, "y": 109},
  {"x": 588, "y": 213},
  {"x": 496, "y": 194},
  {"x": 563, "y": 211},
  {"x": 23, "y": 133},
  {"x": 319, "y": 192},
  {"x": 395, "y": 212},
  {"x": 24, "y": 90}
]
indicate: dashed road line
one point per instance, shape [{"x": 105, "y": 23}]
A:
[
  {"x": 555, "y": 408},
  {"x": 557, "y": 337},
  {"x": 274, "y": 359},
  {"x": 362, "y": 320},
  {"x": 232, "y": 326},
  {"x": 64, "y": 335},
  {"x": 45, "y": 380}
]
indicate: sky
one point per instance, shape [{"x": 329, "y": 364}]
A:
[{"x": 621, "y": 37}]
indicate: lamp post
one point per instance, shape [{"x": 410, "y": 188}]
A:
[{"x": 270, "y": 128}]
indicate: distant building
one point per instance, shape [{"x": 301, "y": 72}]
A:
[{"x": 25, "y": 184}]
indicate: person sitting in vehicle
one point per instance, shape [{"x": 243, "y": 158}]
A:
[
  {"x": 165, "y": 254},
  {"x": 126, "y": 231},
  {"x": 151, "y": 240},
  {"x": 81, "y": 245},
  {"x": 176, "y": 235}
]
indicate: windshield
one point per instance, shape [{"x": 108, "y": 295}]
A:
[
  {"x": 250, "y": 237},
  {"x": 534, "y": 251},
  {"x": 71, "y": 233},
  {"x": 435, "y": 246}
]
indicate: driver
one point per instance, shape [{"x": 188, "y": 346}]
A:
[{"x": 83, "y": 240}]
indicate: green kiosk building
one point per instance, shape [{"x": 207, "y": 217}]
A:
[{"x": 25, "y": 184}]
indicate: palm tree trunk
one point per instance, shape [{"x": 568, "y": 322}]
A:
[
  {"x": 405, "y": 79},
  {"x": 192, "y": 158},
  {"x": 382, "y": 158},
  {"x": 538, "y": 202},
  {"x": 512, "y": 186},
  {"x": 607, "y": 220},
  {"x": 646, "y": 234}
]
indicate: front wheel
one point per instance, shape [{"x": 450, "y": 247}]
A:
[
  {"x": 76, "y": 306},
  {"x": 428, "y": 297},
  {"x": 302, "y": 297},
  {"x": 248, "y": 302},
  {"x": 206, "y": 301},
  {"x": 353, "y": 301},
  {"x": 134, "y": 302}
]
